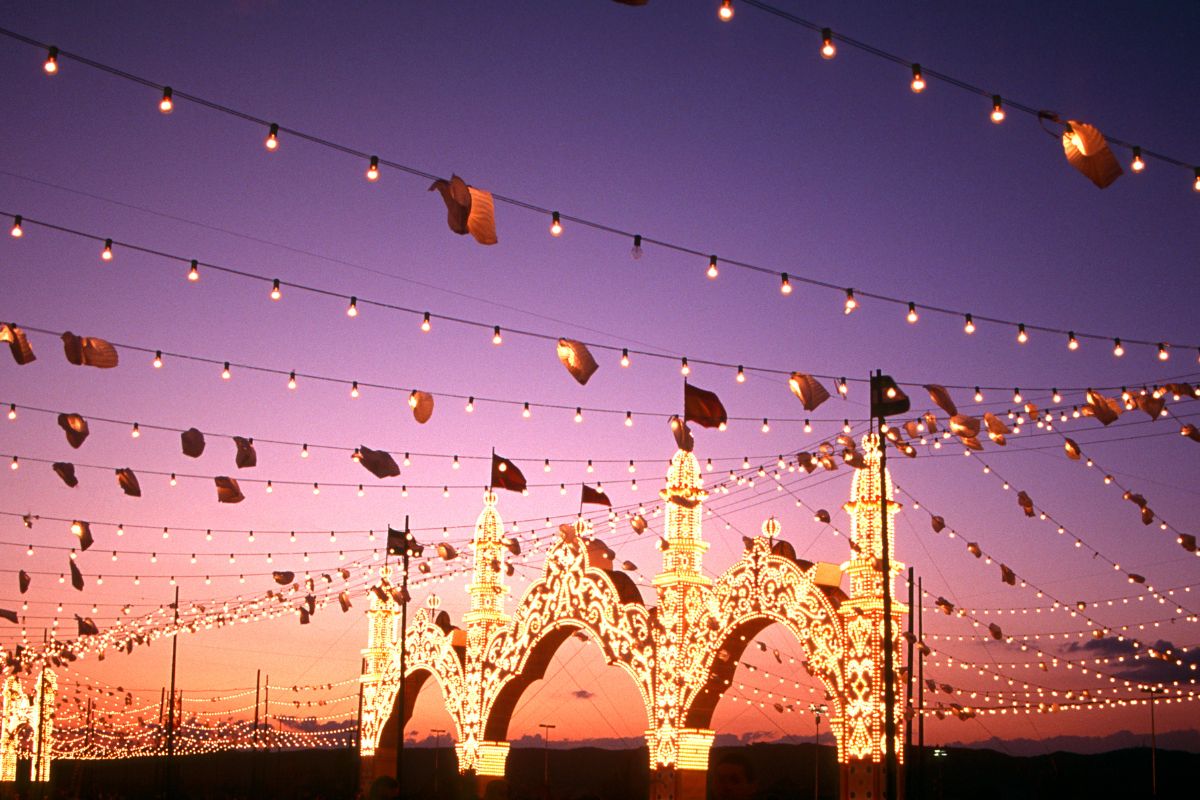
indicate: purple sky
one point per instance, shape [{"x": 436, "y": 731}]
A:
[{"x": 733, "y": 139}]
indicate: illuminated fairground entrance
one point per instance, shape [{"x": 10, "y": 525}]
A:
[{"x": 681, "y": 654}]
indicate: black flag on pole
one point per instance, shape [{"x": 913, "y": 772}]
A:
[
  {"x": 506, "y": 475},
  {"x": 595, "y": 497},
  {"x": 703, "y": 407}
]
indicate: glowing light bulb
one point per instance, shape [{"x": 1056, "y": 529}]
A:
[
  {"x": 1163, "y": 354},
  {"x": 845, "y": 426},
  {"x": 624, "y": 357},
  {"x": 168, "y": 101},
  {"x": 741, "y": 374},
  {"x": 17, "y": 231},
  {"x": 636, "y": 252},
  {"x": 173, "y": 480},
  {"x": 842, "y": 388},
  {"x": 1055, "y": 397},
  {"x": 275, "y": 291},
  {"x": 304, "y": 451},
  {"x": 997, "y": 109},
  {"x": 412, "y": 399},
  {"x": 107, "y": 253},
  {"x": 766, "y": 426},
  {"x": 225, "y": 373},
  {"x": 807, "y": 426},
  {"x": 1072, "y": 342},
  {"x": 978, "y": 395},
  {"x": 12, "y": 411},
  {"x": 454, "y": 464},
  {"x": 496, "y": 338},
  {"x": 470, "y": 404},
  {"x": 16, "y": 463},
  {"x": 51, "y": 65},
  {"x": 1022, "y": 336},
  {"x": 194, "y": 271},
  {"x": 291, "y": 384},
  {"x": 272, "y": 142},
  {"x": 785, "y": 284},
  {"x": 556, "y": 227},
  {"x": 1196, "y": 183},
  {"x": 373, "y": 169},
  {"x": 968, "y": 324},
  {"x": 628, "y": 419},
  {"x": 136, "y": 431},
  {"x": 316, "y": 490},
  {"x": 1017, "y": 396},
  {"x": 270, "y": 487},
  {"x": 158, "y": 360},
  {"x": 725, "y": 12},
  {"x": 590, "y": 468},
  {"x": 918, "y": 79},
  {"x": 352, "y": 309},
  {"x": 684, "y": 369},
  {"x": 525, "y": 412},
  {"x": 425, "y": 324},
  {"x": 851, "y": 303},
  {"x": 578, "y": 414},
  {"x": 912, "y": 313},
  {"x": 1137, "y": 165},
  {"x": 827, "y": 47},
  {"x": 1118, "y": 348},
  {"x": 712, "y": 267}
]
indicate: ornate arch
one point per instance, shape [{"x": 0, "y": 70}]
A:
[
  {"x": 570, "y": 595},
  {"x": 762, "y": 588}
]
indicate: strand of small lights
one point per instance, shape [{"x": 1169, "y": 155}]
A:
[
  {"x": 1024, "y": 610},
  {"x": 784, "y": 279},
  {"x": 921, "y": 75}
]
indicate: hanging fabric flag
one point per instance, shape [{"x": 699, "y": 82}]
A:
[
  {"x": 446, "y": 551},
  {"x": 638, "y": 523},
  {"x": 1105, "y": 409},
  {"x": 23, "y": 581},
  {"x": 937, "y": 523},
  {"x": 468, "y": 210},
  {"x": 88, "y": 351},
  {"x": 682, "y": 434},
  {"x": 192, "y": 441},
  {"x": 595, "y": 497},
  {"x": 577, "y": 359},
  {"x": 129, "y": 482},
  {"x": 75, "y": 427},
  {"x": 398, "y": 540},
  {"x": 964, "y": 425},
  {"x": 283, "y": 578},
  {"x": 246, "y": 456},
  {"x": 941, "y": 397},
  {"x": 422, "y": 406},
  {"x": 1025, "y": 503},
  {"x": 305, "y": 616},
  {"x": 18, "y": 344},
  {"x": 377, "y": 462},
  {"x": 808, "y": 389},
  {"x": 228, "y": 490},
  {"x": 1190, "y": 431},
  {"x": 512, "y": 545},
  {"x": 344, "y": 601},
  {"x": 76, "y": 576},
  {"x": 84, "y": 532},
  {"x": 1087, "y": 151},
  {"x": 887, "y": 398},
  {"x": 66, "y": 471},
  {"x": 1152, "y": 405},
  {"x": 9, "y": 615},
  {"x": 86, "y": 626},
  {"x": 506, "y": 475},
  {"x": 996, "y": 632},
  {"x": 1007, "y": 575},
  {"x": 1073, "y": 451},
  {"x": 703, "y": 407}
]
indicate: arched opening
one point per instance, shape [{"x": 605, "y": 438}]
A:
[
  {"x": 430, "y": 763},
  {"x": 23, "y": 741}
]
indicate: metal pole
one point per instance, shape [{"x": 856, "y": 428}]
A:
[
  {"x": 546, "y": 752},
  {"x": 402, "y": 699},
  {"x": 817, "y": 759},
  {"x": 889, "y": 689},
  {"x": 1154, "y": 693},
  {"x": 920, "y": 785},
  {"x": 912, "y": 674},
  {"x": 437, "y": 744},
  {"x": 254, "y": 734},
  {"x": 358, "y": 733},
  {"x": 171, "y": 705}
]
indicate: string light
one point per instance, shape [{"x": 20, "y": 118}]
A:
[
  {"x": 725, "y": 12},
  {"x": 225, "y": 373},
  {"x": 851, "y": 303},
  {"x": 1118, "y": 349},
  {"x": 766, "y": 426},
  {"x": 425, "y": 324},
  {"x": 556, "y": 227},
  {"x": 912, "y": 313},
  {"x": 712, "y": 267},
  {"x": 968, "y": 324},
  {"x": 158, "y": 360},
  {"x": 1138, "y": 164},
  {"x": 304, "y": 450},
  {"x": 741, "y": 374},
  {"x": 827, "y": 48},
  {"x": 16, "y": 463},
  {"x": 918, "y": 80},
  {"x": 997, "y": 109},
  {"x": 1055, "y": 397},
  {"x": 352, "y": 309},
  {"x": 1017, "y": 396},
  {"x": 1072, "y": 342},
  {"x": 412, "y": 399},
  {"x": 636, "y": 251},
  {"x": 978, "y": 395},
  {"x": 496, "y": 338},
  {"x": 624, "y": 357},
  {"x": 272, "y": 142},
  {"x": 1196, "y": 182},
  {"x": 136, "y": 431},
  {"x": 373, "y": 169},
  {"x": 168, "y": 101},
  {"x": 628, "y": 419},
  {"x": 107, "y": 253},
  {"x": 51, "y": 65},
  {"x": 578, "y": 414},
  {"x": 17, "y": 231},
  {"x": 1022, "y": 336},
  {"x": 12, "y": 411},
  {"x": 684, "y": 369},
  {"x": 1163, "y": 355},
  {"x": 275, "y": 291},
  {"x": 194, "y": 271},
  {"x": 291, "y": 384},
  {"x": 785, "y": 284},
  {"x": 470, "y": 407},
  {"x": 525, "y": 412}
]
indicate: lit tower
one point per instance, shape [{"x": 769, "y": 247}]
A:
[
  {"x": 860, "y": 733},
  {"x": 684, "y": 496},
  {"x": 487, "y": 588},
  {"x": 378, "y": 680}
]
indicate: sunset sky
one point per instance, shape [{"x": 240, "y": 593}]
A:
[{"x": 733, "y": 139}]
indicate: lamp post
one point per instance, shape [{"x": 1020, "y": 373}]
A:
[
  {"x": 817, "y": 710},
  {"x": 437, "y": 744},
  {"x": 546, "y": 752},
  {"x": 939, "y": 756},
  {"x": 1154, "y": 692}
]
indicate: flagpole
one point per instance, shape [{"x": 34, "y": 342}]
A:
[
  {"x": 402, "y": 699},
  {"x": 889, "y": 689}
]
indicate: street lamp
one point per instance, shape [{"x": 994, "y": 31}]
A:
[
  {"x": 546, "y": 752},
  {"x": 817, "y": 710}
]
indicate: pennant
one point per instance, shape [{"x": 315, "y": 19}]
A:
[
  {"x": 808, "y": 389},
  {"x": 995, "y": 425},
  {"x": 447, "y": 551},
  {"x": 1086, "y": 151},
  {"x": 887, "y": 398},
  {"x": 1025, "y": 503},
  {"x": 377, "y": 462},
  {"x": 629, "y": 566},
  {"x": 822, "y": 516},
  {"x": 468, "y": 210},
  {"x": 66, "y": 471},
  {"x": 1105, "y": 409},
  {"x": 512, "y": 545},
  {"x": 1152, "y": 404},
  {"x": 23, "y": 581},
  {"x": 344, "y": 601},
  {"x": 937, "y": 523},
  {"x": 18, "y": 343},
  {"x": 974, "y": 549},
  {"x": 941, "y": 398},
  {"x": 1073, "y": 451},
  {"x": 88, "y": 351},
  {"x": 595, "y": 497},
  {"x": 396, "y": 542},
  {"x": 577, "y": 359},
  {"x": 506, "y": 475},
  {"x": 1190, "y": 431},
  {"x": 283, "y": 578},
  {"x": 86, "y": 626},
  {"x": 9, "y": 615},
  {"x": 682, "y": 434},
  {"x": 192, "y": 442},
  {"x": 76, "y": 576},
  {"x": 305, "y": 616},
  {"x": 228, "y": 490},
  {"x": 964, "y": 425},
  {"x": 84, "y": 531},
  {"x": 945, "y": 606},
  {"x": 703, "y": 407},
  {"x": 129, "y": 482},
  {"x": 246, "y": 456},
  {"x": 75, "y": 427},
  {"x": 638, "y": 523},
  {"x": 422, "y": 406},
  {"x": 1007, "y": 575}
]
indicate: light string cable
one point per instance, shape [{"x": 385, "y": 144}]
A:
[{"x": 785, "y": 279}]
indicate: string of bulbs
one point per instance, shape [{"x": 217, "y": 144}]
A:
[{"x": 375, "y": 164}]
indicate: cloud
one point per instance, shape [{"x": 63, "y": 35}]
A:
[
  {"x": 1145, "y": 668},
  {"x": 583, "y": 694}
]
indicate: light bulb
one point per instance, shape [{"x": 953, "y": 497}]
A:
[
  {"x": 272, "y": 142},
  {"x": 496, "y": 339},
  {"x": 997, "y": 109},
  {"x": 470, "y": 404},
  {"x": 827, "y": 48},
  {"x": 1017, "y": 395},
  {"x": 352, "y": 309},
  {"x": 168, "y": 101},
  {"x": 556, "y": 227},
  {"x": 225, "y": 373},
  {"x": 1118, "y": 349},
  {"x": 845, "y": 426},
  {"x": 270, "y": 487},
  {"x": 16, "y": 463},
  {"x": 546, "y": 468},
  {"x": 304, "y": 451},
  {"x": 373, "y": 169},
  {"x": 912, "y": 313},
  {"x": 291, "y": 384},
  {"x": 194, "y": 271},
  {"x": 636, "y": 252},
  {"x": 684, "y": 369},
  {"x": 766, "y": 426},
  {"x": 624, "y": 357},
  {"x": 316, "y": 490},
  {"x": 1163, "y": 355},
  {"x": 725, "y": 12},
  {"x": 136, "y": 431},
  {"x": 1138, "y": 164},
  {"x": 173, "y": 480},
  {"x": 525, "y": 412},
  {"x": 107, "y": 254},
  {"x": 1196, "y": 183},
  {"x": 978, "y": 395},
  {"x": 579, "y": 414},
  {"x": 158, "y": 359},
  {"x": 712, "y": 267},
  {"x": 741, "y": 374},
  {"x": 807, "y": 426},
  {"x": 1072, "y": 342},
  {"x": 968, "y": 324},
  {"x": 628, "y": 419},
  {"x": 12, "y": 411},
  {"x": 851, "y": 303},
  {"x": 454, "y": 464},
  {"x": 1055, "y": 397},
  {"x": 842, "y": 388},
  {"x": 785, "y": 285},
  {"x": 17, "y": 231},
  {"x": 425, "y": 324},
  {"x": 1022, "y": 336},
  {"x": 918, "y": 80},
  {"x": 412, "y": 399},
  {"x": 275, "y": 291},
  {"x": 51, "y": 65}
]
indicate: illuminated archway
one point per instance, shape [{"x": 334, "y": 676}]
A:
[{"x": 33, "y": 711}]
